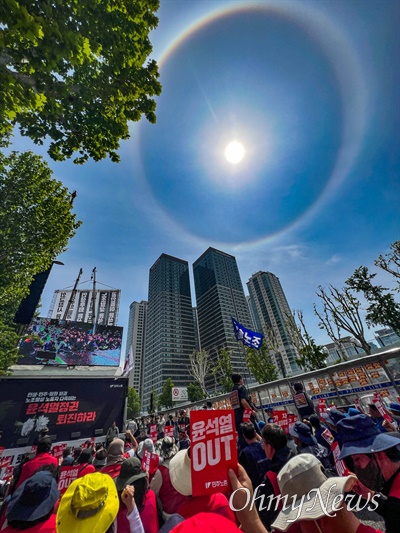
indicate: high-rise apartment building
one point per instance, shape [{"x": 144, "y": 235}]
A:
[
  {"x": 271, "y": 311},
  {"x": 220, "y": 296},
  {"x": 170, "y": 334},
  {"x": 136, "y": 341}
]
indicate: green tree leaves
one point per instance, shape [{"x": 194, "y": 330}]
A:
[
  {"x": 165, "y": 398},
  {"x": 133, "y": 404},
  {"x": 36, "y": 223},
  {"x": 260, "y": 363},
  {"x": 195, "y": 392},
  {"x": 76, "y": 72}
]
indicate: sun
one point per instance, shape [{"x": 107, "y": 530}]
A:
[{"x": 234, "y": 152}]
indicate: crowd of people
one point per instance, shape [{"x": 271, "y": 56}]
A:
[
  {"x": 70, "y": 338},
  {"x": 283, "y": 482}
]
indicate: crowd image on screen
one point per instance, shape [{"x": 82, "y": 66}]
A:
[
  {"x": 70, "y": 338},
  {"x": 115, "y": 489}
]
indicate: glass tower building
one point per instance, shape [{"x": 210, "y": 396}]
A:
[
  {"x": 170, "y": 336},
  {"x": 271, "y": 312},
  {"x": 136, "y": 340},
  {"x": 219, "y": 297}
]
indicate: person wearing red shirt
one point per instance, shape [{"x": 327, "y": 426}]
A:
[
  {"x": 115, "y": 458},
  {"x": 41, "y": 458},
  {"x": 85, "y": 463}
]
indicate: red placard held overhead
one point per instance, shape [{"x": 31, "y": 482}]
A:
[
  {"x": 213, "y": 450},
  {"x": 58, "y": 450},
  {"x": 321, "y": 407},
  {"x": 168, "y": 431},
  {"x": 341, "y": 468},
  {"x": 153, "y": 432},
  {"x": 150, "y": 463},
  {"x": 378, "y": 403},
  {"x": 281, "y": 418}
]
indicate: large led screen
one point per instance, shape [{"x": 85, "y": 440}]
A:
[{"x": 62, "y": 342}]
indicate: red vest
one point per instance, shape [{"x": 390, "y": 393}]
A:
[
  {"x": 149, "y": 514},
  {"x": 170, "y": 498}
]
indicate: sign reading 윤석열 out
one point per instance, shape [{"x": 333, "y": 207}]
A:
[{"x": 212, "y": 451}]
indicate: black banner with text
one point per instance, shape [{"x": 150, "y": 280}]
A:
[{"x": 64, "y": 406}]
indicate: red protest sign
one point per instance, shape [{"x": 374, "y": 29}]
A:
[
  {"x": 68, "y": 474},
  {"x": 150, "y": 462},
  {"x": 281, "y": 418},
  {"x": 327, "y": 435},
  {"x": 321, "y": 406},
  {"x": 5, "y": 461},
  {"x": 153, "y": 432},
  {"x": 59, "y": 450},
  {"x": 247, "y": 415},
  {"x": 8, "y": 473},
  {"x": 341, "y": 468},
  {"x": 378, "y": 403},
  {"x": 213, "y": 450},
  {"x": 168, "y": 431}
]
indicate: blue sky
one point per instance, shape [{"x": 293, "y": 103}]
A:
[{"x": 310, "y": 89}]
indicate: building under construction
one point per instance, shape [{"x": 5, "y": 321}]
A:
[{"x": 78, "y": 304}]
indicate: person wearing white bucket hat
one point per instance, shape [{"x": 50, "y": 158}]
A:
[
  {"x": 314, "y": 502},
  {"x": 181, "y": 480}
]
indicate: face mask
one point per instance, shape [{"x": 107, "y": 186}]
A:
[{"x": 371, "y": 476}]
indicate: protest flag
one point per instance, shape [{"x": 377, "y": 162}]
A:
[
  {"x": 250, "y": 338},
  {"x": 129, "y": 364}
]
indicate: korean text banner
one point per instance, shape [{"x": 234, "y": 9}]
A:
[
  {"x": 63, "y": 342},
  {"x": 65, "y": 406},
  {"x": 212, "y": 451},
  {"x": 248, "y": 337}
]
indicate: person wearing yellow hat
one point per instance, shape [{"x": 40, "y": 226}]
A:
[{"x": 89, "y": 505}]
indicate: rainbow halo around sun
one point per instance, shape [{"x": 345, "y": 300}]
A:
[{"x": 234, "y": 152}]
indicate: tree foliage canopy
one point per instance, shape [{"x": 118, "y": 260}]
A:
[
  {"x": 223, "y": 370},
  {"x": 341, "y": 308},
  {"x": 195, "y": 393},
  {"x": 311, "y": 355},
  {"x": 165, "y": 398},
  {"x": 133, "y": 404},
  {"x": 36, "y": 223},
  {"x": 75, "y": 72},
  {"x": 260, "y": 363},
  {"x": 8, "y": 350},
  {"x": 382, "y": 307},
  {"x": 391, "y": 262}
]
